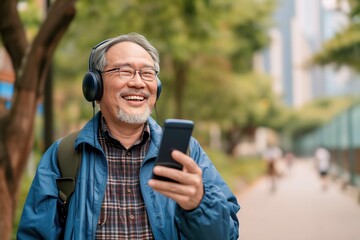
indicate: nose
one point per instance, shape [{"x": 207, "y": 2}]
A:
[
  {"x": 136, "y": 80},
  {"x": 137, "y": 73}
]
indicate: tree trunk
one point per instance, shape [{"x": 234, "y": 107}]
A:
[
  {"x": 7, "y": 209},
  {"x": 48, "y": 111},
  {"x": 16, "y": 125},
  {"x": 17, "y": 145}
]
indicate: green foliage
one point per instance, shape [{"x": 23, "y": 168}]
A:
[
  {"x": 234, "y": 99},
  {"x": 31, "y": 16},
  {"x": 344, "y": 48},
  {"x": 237, "y": 171},
  {"x": 251, "y": 26},
  {"x": 354, "y": 10},
  {"x": 25, "y": 186},
  {"x": 315, "y": 114},
  {"x": 215, "y": 40}
]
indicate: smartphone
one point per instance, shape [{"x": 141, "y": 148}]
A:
[{"x": 176, "y": 136}]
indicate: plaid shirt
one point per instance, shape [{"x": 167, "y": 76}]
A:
[{"x": 123, "y": 213}]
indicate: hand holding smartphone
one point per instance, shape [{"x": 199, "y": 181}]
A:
[{"x": 176, "y": 136}]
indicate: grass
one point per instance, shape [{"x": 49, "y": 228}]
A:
[
  {"x": 25, "y": 186},
  {"x": 24, "y": 189},
  {"x": 237, "y": 172}
]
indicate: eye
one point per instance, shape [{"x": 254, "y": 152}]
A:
[
  {"x": 148, "y": 73},
  {"x": 126, "y": 72}
]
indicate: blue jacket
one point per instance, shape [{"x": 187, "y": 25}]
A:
[{"x": 214, "y": 218}]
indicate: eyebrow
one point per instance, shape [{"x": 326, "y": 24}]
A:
[{"x": 119, "y": 65}]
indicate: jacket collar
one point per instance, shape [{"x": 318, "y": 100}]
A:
[{"x": 89, "y": 133}]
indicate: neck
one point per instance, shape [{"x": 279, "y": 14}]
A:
[{"x": 127, "y": 134}]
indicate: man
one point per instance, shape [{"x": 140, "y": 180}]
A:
[{"x": 115, "y": 196}]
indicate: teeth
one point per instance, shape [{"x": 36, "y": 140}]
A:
[{"x": 138, "y": 98}]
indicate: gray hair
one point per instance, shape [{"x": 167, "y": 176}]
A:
[{"x": 97, "y": 58}]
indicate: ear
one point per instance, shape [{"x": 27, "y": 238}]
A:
[
  {"x": 92, "y": 86},
  {"x": 92, "y": 82},
  {"x": 159, "y": 88}
]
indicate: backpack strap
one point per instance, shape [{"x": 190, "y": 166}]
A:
[{"x": 68, "y": 160}]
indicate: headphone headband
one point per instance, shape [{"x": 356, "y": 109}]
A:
[{"x": 93, "y": 51}]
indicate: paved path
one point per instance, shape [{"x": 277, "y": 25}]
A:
[{"x": 299, "y": 209}]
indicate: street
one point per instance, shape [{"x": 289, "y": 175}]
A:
[{"x": 299, "y": 209}]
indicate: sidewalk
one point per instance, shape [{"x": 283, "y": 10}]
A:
[{"x": 299, "y": 209}]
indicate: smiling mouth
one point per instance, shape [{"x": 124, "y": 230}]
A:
[{"x": 134, "y": 98}]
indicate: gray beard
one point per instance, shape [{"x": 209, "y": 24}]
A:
[{"x": 134, "y": 118}]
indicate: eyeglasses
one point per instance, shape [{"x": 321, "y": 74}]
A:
[{"x": 127, "y": 73}]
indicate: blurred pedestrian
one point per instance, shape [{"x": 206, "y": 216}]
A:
[
  {"x": 289, "y": 161},
  {"x": 322, "y": 158},
  {"x": 271, "y": 156}
]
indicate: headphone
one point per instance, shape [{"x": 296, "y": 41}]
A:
[{"x": 92, "y": 85}]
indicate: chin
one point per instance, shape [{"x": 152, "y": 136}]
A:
[{"x": 134, "y": 118}]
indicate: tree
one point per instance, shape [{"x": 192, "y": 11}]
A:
[
  {"x": 184, "y": 31},
  {"x": 192, "y": 37},
  {"x": 228, "y": 92},
  {"x": 31, "y": 64},
  {"x": 206, "y": 50},
  {"x": 344, "y": 48}
]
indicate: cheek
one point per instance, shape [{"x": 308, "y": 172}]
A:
[
  {"x": 111, "y": 88},
  {"x": 153, "y": 92},
  {"x": 110, "y": 94}
]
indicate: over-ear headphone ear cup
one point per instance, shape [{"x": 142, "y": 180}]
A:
[
  {"x": 159, "y": 88},
  {"x": 92, "y": 86}
]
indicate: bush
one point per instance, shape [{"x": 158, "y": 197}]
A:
[{"x": 237, "y": 172}]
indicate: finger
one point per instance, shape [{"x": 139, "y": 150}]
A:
[
  {"x": 170, "y": 187},
  {"x": 173, "y": 190},
  {"x": 184, "y": 201},
  {"x": 188, "y": 197},
  {"x": 189, "y": 164},
  {"x": 179, "y": 176}
]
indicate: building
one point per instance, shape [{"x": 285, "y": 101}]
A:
[{"x": 300, "y": 29}]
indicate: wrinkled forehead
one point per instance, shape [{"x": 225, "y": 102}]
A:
[{"x": 128, "y": 53}]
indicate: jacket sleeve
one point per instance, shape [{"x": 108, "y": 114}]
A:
[
  {"x": 216, "y": 216},
  {"x": 39, "y": 219}
]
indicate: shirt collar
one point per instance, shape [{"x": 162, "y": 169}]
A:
[{"x": 145, "y": 135}]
